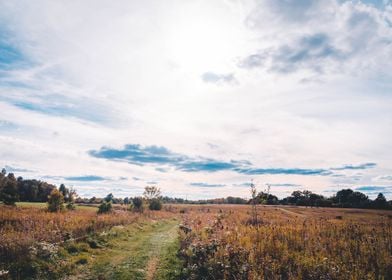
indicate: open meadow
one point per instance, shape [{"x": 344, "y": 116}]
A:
[
  {"x": 286, "y": 243},
  {"x": 196, "y": 242}
]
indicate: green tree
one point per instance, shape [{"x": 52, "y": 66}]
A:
[
  {"x": 55, "y": 201},
  {"x": 71, "y": 199},
  {"x": 109, "y": 197},
  {"x": 380, "y": 202},
  {"x": 65, "y": 191},
  {"x": 342, "y": 197},
  {"x": 105, "y": 207},
  {"x": 9, "y": 193}
]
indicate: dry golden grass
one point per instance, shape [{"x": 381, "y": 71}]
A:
[
  {"x": 289, "y": 243},
  {"x": 22, "y": 227}
]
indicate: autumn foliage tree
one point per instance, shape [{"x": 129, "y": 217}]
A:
[{"x": 55, "y": 201}]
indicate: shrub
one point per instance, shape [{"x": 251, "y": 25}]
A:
[
  {"x": 155, "y": 204},
  {"x": 153, "y": 196},
  {"x": 105, "y": 207},
  {"x": 138, "y": 204},
  {"x": 71, "y": 206},
  {"x": 55, "y": 201},
  {"x": 74, "y": 248},
  {"x": 82, "y": 260}
]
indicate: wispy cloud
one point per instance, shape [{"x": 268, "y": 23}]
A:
[
  {"x": 308, "y": 52},
  {"x": 157, "y": 155},
  {"x": 152, "y": 182},
  {"x": 86, "y": 178},
  {"x": 290, "y": 171},
  {"x": 284, "y": 185},
  {"x": 207, "y": 185},
  {"x": 211, "y": 77},
  {"x": 372, "y": 189},
  {"x": 384, "y": 178},
  {"x": 16, "y": 169},
  {"x": 10, "y": 54},
  {"x": 356, "y": 167}
]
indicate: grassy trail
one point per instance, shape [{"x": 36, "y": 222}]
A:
[{"x": 143, "y": 251}]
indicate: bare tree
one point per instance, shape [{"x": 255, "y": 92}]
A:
[
  {"x": 253, "y": 192},
  {"x": 151, "y": 192}
]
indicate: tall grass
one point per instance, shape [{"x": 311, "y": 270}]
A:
[
  {"x": 287, "y": 244},
  {"x": 21, "y": 229}
]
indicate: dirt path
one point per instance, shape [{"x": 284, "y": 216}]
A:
[{"x": 134, "y": 252}]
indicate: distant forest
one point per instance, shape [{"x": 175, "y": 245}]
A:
[{"x": 14, "y": 189}]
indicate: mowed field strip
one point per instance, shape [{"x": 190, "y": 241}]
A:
[{"x": 142, "y": 251}]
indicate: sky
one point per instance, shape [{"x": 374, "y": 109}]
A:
[{"x": 198, "y": 97}]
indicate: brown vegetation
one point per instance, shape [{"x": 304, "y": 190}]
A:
[
  {"x": 287, "y": 243},
  {"x": 26, "y": 232}
]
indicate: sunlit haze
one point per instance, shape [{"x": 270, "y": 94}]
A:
[{"x": 198, "y": 97}]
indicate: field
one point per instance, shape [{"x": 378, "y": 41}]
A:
[
  {"x": 287, "y": 243},
  {"x": 196, "y": 242}
]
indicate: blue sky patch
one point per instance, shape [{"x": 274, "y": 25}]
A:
[{"x": 9, "y": 54}]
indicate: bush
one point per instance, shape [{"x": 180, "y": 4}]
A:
[
  {"x": 55, "y": 201},
  {"x": 105, "y": 207},
  {"x": 82, "y": 260},
  {"x": 71, "y": 206},
  {"x": 94, "y": 243},
  {"x": 137, "y": 203},
  {"x": 75, "y": 248},
  {"x": 155, "y": 204}
]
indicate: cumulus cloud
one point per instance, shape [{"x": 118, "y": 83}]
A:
[{"x": 324, "y": 37}]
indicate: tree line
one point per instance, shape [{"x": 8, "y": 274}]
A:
[
  {"x": 14, "y": 189},
  {"x": 345, "y": 198},
  {"x": 151, "y": 198}
]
